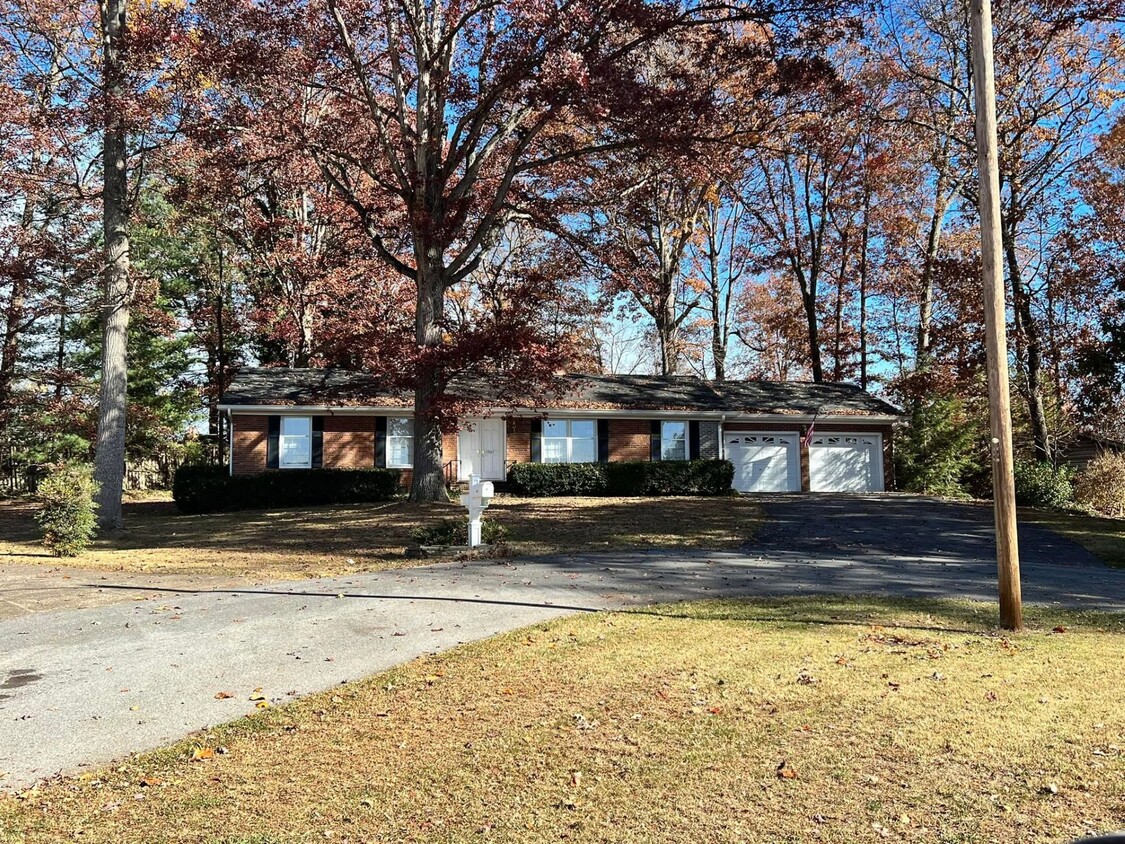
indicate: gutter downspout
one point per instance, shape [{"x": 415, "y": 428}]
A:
[{"x": 230, "y": 443}]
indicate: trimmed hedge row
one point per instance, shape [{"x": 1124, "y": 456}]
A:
[
  {"x": 679, "y": 477},
  {"x": 206, "y": 489}
]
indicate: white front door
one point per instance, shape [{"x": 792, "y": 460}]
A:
[
  {"x": 481, "y": 449},
  {"x": 764, "y": 462},
  {"x": 846, "y": 463}
]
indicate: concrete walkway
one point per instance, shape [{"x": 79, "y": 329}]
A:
[{"x": 83, "y": 687}]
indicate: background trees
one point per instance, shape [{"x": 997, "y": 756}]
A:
[{"x": 426, "y": 189}]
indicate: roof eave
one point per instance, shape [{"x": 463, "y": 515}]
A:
[{"x": 574, "y": 413}]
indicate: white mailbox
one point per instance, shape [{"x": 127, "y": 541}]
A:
[{"x": 476, "y": 501}]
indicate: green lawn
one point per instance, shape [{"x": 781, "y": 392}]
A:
[
  {"x": 803, "y": 720},
  {"x": 1102, "y": 537}
]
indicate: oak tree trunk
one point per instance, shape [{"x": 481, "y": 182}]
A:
[
  {"x": 808, "y": 301},
  {"x": 9, "y": 348},
  {"x": 428, "y": 481},
  {"x": 929, "y": 265},
  {"x": 109, "y": 455},
  {"x": 1028, "y": 329}
]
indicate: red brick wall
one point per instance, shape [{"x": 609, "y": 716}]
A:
[
  {"x": 519, "y": 441},
  {"x": 630, "y": 439},
  {"x": 251, "y": 434},
  {"x": 349, "y": 442}
]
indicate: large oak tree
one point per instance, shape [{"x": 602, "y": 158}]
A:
[{"x": 439, "y": 123}]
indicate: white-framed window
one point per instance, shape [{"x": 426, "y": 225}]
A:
[
  {"x": 294, "y": 445},
  {"x": 400, "y": 443},
  {"x": 570, "y": 441},
  {"x": 673, "y": 441}
]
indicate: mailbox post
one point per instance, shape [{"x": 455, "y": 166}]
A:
[{"x": 476, "y": 501}]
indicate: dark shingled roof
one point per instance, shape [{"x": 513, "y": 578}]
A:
[{"x": 337, "y": 387}]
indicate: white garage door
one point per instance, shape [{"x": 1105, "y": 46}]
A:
[
  {"x": 764, "y": 462},
  {"x": 846, "y": 463}
]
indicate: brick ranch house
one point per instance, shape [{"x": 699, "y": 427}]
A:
[{"x": 310, "y": 418}]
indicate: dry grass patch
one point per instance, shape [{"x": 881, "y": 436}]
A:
[
  {"x": 548, "y": 525},
  {"x": 321, "y": 541},
  {"x": 826, "y": 720},
  {"x": 1101, "y": 536}
]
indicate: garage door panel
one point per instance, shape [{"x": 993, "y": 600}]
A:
[
  {"x": 846, "y": 463},
  {"x": 764, "y": 462}
]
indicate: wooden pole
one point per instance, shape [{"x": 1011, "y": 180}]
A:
[{"x": 995, "y": 316}]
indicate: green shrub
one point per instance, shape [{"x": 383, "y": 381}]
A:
[
  {"x": 690, "y": 477},
  {"x": 456, "y": 532},
  {"x": 544, "y": 479},
  {"x": 938, "y": 453},
  {"x": 1100, "y": 485},
  {"x": 678, "y": 477},
  {"x": 67, "y": 516},
  {"x": 205, "y": 489},
  {"x": 1042, "y": 485}
]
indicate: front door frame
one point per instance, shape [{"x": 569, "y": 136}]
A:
[{"x": 476, "y": 422}]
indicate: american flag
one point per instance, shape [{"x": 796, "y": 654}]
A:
[{"x": 809, "y": 431}]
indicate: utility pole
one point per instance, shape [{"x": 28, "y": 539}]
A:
[{"x": 995, "y": 316}]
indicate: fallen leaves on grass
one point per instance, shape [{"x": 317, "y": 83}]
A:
[{"x": 202, "y": 753}]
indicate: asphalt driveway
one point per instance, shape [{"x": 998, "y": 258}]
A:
[{"x": 81, "y": 687}]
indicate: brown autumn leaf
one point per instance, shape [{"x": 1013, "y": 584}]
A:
[
  {"x": 1060, "y": 629},
  {"x": 715, "y": 710},
  {"x": 784, "y": 772},
  {"x": 223, "y": 695},
  {"x": 576, "y": 778},
  {"x": 201, "y": 753},
  {"x": 151, "y": 782}
]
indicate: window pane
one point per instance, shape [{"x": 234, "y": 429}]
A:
[
  {"x": 673, "y": 450},
  {"x": 673, "y": 430},
  {"x": 398, "y": 427},
  {"x": 584, "y": 428},
  {"x": 554, "y": 429},
  {"x": 398, "y": 451},
  {"x": 296, "y": 426},
  {"x": 554, "y": 451},
  {"x": 294, "y": 451},
  {"x": 582, "y": 451}
]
